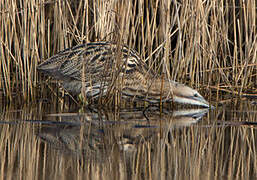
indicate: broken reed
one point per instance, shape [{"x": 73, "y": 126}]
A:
[{"x": 212, "y": 43}]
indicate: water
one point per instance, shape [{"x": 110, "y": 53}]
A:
[{"x": 50, "y": 141}]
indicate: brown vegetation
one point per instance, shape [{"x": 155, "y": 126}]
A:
[{"x": 213, "y": 43}]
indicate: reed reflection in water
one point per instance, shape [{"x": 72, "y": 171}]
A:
[{"x": 129, "y": 144}]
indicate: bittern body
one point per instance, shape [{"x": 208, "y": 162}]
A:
[{"x": 95, "y": 69}]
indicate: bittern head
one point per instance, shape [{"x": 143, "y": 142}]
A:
[{"x": 186, "y": 95}]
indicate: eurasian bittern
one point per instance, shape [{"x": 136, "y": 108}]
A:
[{"x": 93, "y": 69}]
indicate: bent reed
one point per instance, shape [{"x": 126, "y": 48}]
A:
[{"x": 211, "y": 45}]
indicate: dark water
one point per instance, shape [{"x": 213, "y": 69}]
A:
[{"x": 51, "y": 141}]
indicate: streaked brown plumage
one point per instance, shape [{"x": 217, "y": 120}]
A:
[{"x": 97, "y": 68}]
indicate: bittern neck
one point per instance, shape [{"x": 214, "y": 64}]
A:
[
  {"x": 160, "y": 89},
  {"x": 151, "y": 89}
]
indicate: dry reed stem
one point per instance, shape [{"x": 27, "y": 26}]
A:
[{"x": 198, "y": 38}]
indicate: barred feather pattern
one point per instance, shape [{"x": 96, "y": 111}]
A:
[
  {"x": 97, "y": 68},
  {"x": 100, "y": 61}
]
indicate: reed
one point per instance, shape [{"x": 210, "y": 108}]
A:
[{"x": 203, "y": 44}]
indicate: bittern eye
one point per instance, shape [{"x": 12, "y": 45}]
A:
[{"x": 195, "y": 95}]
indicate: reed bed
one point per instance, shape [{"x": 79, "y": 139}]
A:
[{"x": 208, "y": 44}]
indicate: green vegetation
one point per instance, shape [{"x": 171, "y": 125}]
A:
[{"x": 213, "y": 44}]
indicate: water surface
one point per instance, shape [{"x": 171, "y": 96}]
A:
[{"x": 51, "y": 141}]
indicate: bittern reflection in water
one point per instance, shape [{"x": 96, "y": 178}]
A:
[
  {"x": 127, "y": 128},
  {"x": 96, "y": 69}
]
